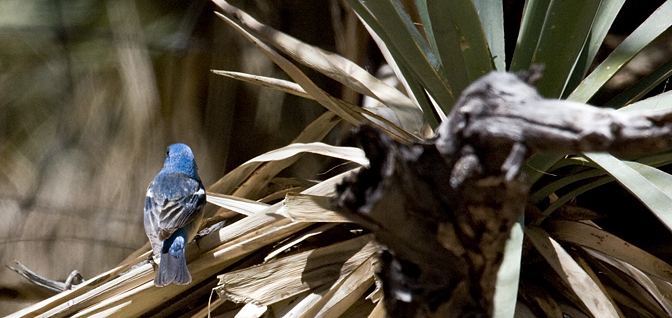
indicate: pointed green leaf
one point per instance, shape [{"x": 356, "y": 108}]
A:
[
  {"x": 508, "y": 276},
  {"x": 658, "y": 102},
  {"x": 642, "y": 87},
  {"x": 606, "y": 14},
  {"x": 461, "y": 43},
  {"x": 658, "y": 22},
  {"x": 534, "y": 14},
  {"x": 544, "y": 192},
  {"x": 650, "y": 185},
  {"x": 571, "y": 195},
  {"x": 423, "y": 13},
  {"x": 417, "y": 93},
  {"x": 491, "y": 14},
  {"x": 444, "y": 41},
  {"x": 564, "y": 32},
  {"x": 539, "y": 163},
  {"x": 398, "y": 31}
]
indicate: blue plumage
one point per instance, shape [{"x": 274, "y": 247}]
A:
[{"x": 173, "y": 213}]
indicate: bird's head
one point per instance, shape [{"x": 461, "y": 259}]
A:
[{"x": 180, "y": 159}]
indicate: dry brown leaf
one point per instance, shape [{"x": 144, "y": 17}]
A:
[
  {"x": 295, "y": 73},
  {"x": 592, "y": 237},
  {"x": 289, "y": 276},
  {"x": 345, "y": 292},
  {"x": 135, "y": 302},
  {"x": 589, "y": 270},
  {"x": 236, "y": 204},
  {"x": 376, "y": 114},
  {"x": 335, "y": 66},
  {"x": 309, "y": 208},
  {"x": 569, "y": 271},
  {"x": 316, "y": 131},
  {"x": 346, "y": 153},
  {"x": 535, "y": 295},
  {"x": 298, "y": 240},
  {"x": 640, "y": 286},
  {"x": 270, "y": 82},
  {"x": 251, "y": 310}
]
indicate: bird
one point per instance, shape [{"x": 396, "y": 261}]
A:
[{"x": 173, "y": 214}]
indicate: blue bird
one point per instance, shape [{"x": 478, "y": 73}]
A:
[{"x": 173, "y": 213}]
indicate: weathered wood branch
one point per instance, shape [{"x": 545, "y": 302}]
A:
[
  {"x": 74, "y": 279},
  {"x": 444, "y": 208}
]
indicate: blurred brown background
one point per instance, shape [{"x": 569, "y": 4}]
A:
[{"x": 92, "y": 93}]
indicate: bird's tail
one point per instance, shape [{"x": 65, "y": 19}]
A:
[{"x": 172, "y": 268}]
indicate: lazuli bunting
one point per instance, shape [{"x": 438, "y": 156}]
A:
[{"x": 173, "y": 213}]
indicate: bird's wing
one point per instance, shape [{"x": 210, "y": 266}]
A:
[{"x": 174, "y": 200}]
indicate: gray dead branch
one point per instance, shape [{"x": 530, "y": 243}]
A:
[{"x": 444, "y": 208}]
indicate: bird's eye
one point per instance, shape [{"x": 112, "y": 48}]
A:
[{"x": 167, "y": 152}]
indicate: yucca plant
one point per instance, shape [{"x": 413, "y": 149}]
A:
[{"x": 296, "y": 257}]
